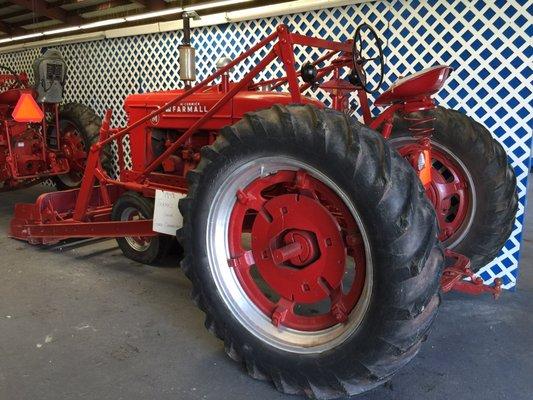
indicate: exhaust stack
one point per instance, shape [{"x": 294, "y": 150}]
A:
[{"x": 187, "y": 52}]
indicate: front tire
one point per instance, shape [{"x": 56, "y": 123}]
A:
[
  {"x": 150, "y": 251},
  {"x": 476, "y": 215},
  {"x": 283, "y": 207}
]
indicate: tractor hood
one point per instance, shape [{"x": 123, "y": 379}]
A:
[{"x": 185, "y": 113}]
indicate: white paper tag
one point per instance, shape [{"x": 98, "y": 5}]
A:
[{"x": 167, "y": 216}]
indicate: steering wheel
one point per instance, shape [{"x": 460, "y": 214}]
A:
[
  {"x": 360, "y": 58},
  {"x": 15, "y": 78}
]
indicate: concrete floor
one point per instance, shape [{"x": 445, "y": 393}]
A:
[{"x": 86, "y": 322}]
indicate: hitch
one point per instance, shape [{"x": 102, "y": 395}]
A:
[{"x": 453, "y": 278}]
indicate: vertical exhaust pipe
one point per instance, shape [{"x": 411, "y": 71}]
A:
[{"x": 186, "y": 51}]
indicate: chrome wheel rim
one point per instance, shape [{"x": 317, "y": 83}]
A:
[
  {"x": 136, "y": 243},
  {"x": 232, "y": 293}
]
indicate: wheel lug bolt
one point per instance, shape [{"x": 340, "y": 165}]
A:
[
  {"x": 276, "y": 318},
  {"x": 353, "y": 240},
  {"x": 339, "y": 313},
  {"x": 244, "y": 198}
]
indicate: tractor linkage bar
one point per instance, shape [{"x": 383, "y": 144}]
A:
[{"x": 453, "y": 278}]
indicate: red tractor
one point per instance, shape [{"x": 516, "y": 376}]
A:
[
  {"x": 39, "y": 139},
  {"x": 314, "y": 242}
]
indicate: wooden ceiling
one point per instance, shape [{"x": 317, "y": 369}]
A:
[{"x": 24, "y": 17}]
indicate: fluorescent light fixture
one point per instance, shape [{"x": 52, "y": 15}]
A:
[
  {"x": 154, "y": 14},
  {"x": 104, "y": 22},
  {"x": 207, "y": 20},
  {"x": 213, "y": 4},
  {"x": 31, "y": 35},
  {"x": 116, "y": 21},
  {"x": 62, "y": 30}
]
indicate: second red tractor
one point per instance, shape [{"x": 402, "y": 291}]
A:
[{"x": 40, "y": 138}]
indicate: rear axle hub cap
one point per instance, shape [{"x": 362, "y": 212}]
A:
[{"x": 298, "y": 248}]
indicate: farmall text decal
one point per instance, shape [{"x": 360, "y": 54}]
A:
[{"x": 193, "y": 107}]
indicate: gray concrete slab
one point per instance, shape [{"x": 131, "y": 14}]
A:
[{"x": 84, "y": 322}]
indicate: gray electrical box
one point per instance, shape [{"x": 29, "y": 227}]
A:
[{"x": 50, "y": 72}]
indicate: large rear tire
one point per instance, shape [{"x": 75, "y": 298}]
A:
[
  {"x": 473, "y": 188},
  {"x": 282, "y": 209}
]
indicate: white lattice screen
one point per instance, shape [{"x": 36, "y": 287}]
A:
[{"x": 487, "y": 42}]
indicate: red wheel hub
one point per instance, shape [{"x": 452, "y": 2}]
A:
[
  {"x": 448, "y": 191},
  {"x": 288, "y": 234},
  {"x": 302, "y": 237}
]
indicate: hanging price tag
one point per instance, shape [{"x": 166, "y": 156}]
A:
[{"x": 167, "y": 216}]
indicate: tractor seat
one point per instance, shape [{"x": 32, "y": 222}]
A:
[
  {"x": 10, "y": 97},
  {"x": 416, "y": 86}
]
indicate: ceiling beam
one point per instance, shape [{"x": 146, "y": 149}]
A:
[
  {"x": 10, "y": 29},
  {"x": 153, "y": 5},
  {"x": 99, "y": 7},
  {"x": 16, "y": 14},
  {"x": 61, "y": 3},
  {"x": 42, "y": 7}
]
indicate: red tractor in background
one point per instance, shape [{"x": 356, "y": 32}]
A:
[
  {"x": 313, "y": 246},
  {"x": 39, "y": 139}
]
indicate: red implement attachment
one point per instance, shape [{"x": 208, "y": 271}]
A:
[
  {"x": 49, "y": 220},
  {"x": 454, "y": 277}
]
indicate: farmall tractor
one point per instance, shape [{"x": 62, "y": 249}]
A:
[
  {"x": 39, "y": 139},
  {"x": 317, "y": 246}
]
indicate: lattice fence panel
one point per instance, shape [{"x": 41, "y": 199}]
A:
[{"x": 488, "y": 42}]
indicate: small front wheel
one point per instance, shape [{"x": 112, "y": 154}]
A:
[{"x": 146, "y": 250}]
